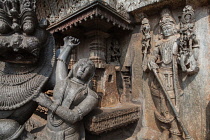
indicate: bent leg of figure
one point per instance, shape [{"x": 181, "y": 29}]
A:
[
  {"x": 160, "y": 114},
  {"x": 10, "y": 129},
  {"x": 165, "y": 133},
  {"x": 175, "y": 131},
  {"x": 27, "y": 136}
]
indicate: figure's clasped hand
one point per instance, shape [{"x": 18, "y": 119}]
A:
[
  {"x": 43, "y": 100},
  {"x": 70, "y": 41},
  {"x": 152, "y": 65}
]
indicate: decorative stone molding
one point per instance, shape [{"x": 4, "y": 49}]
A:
[
  {"x": 96, "y": 9},
  {"x": 55, "y": 11},
  {"x": 103, "y": 120}
]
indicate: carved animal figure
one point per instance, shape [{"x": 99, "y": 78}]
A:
[{"x": 26, "y": 63}]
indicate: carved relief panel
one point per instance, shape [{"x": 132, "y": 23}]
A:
[
  {"x": 113, "y": 51},
  {"x": 171, "y": 50}
]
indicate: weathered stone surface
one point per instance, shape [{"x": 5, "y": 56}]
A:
[
  {"x": 194, "y": 101},
  {"x": 111, "y": 35}
]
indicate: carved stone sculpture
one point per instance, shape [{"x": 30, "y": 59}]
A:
[
  {"x": 146, "y": 42},
  {"x": 26, "y": 62},
  {"x": 165, "y": 87},
  {"x": 188, "y": 42},
  {"x": 72, "y": 98},
  {"x": 114, "y": 52}
]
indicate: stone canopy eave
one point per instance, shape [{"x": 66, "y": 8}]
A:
[{"x": 95, "y": 9}]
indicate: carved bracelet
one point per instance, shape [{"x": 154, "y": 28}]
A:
[
  {"x": 58, "y": 59},
  {"x": 54, "y": 107},
  {"x": 79, "y": 112}
]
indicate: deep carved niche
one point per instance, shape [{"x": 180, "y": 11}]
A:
[{"x": 113, "y": 51}]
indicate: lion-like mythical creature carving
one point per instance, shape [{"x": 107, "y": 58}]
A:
[{"x": 26, "y": 63}]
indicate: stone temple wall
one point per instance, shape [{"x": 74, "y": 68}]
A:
[
  {"x": 194, "y": 103},
  {"x": 194, "y": 107}
]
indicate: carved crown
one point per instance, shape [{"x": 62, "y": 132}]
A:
[
  {"x": 13, "y": 13},
  {"x": 145, "y": 21},
  {"x": 20, "y": 36},
  {"x": 188, "y": 11},
  {"x": 166, "y": 18}
]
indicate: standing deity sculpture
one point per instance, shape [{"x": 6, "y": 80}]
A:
[
  {"x": 72, "y": 97},
  {"x": 165, "y": 87},
  {"x": 164, "y": 59}
]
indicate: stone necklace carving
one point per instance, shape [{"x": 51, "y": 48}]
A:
[{"x": 19, "y": 84}]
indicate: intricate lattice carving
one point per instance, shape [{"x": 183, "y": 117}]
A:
[{"x": 112, "y": 119}]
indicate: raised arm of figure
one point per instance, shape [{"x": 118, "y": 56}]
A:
[{"x": 62, "y": 66}]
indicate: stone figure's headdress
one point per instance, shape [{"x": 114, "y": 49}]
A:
[
  {"x": 188, "y": 11},
  {"x": 5, "y": 17},
  {"x": 81, "y": 62},
  {"x": 26, "y": 41},
  {"x": 166, "y": 18},
  {"x": 15, "y": 12},
  {"x": 28, "y": 11},
  {"x": 145, "y": 21}
]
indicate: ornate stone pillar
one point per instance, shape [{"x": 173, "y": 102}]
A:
[
  {"x": 127, "y": 89},
  {"x": 73, "y": 58},
  {"x": 97, "y": 47}
]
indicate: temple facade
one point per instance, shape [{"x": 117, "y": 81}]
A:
[{"x": 151, "y": 59}]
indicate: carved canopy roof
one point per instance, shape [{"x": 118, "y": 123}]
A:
[{"x": 96, "y": 9}]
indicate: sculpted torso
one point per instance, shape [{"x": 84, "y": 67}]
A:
[{"x": 72, "y": 98}]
